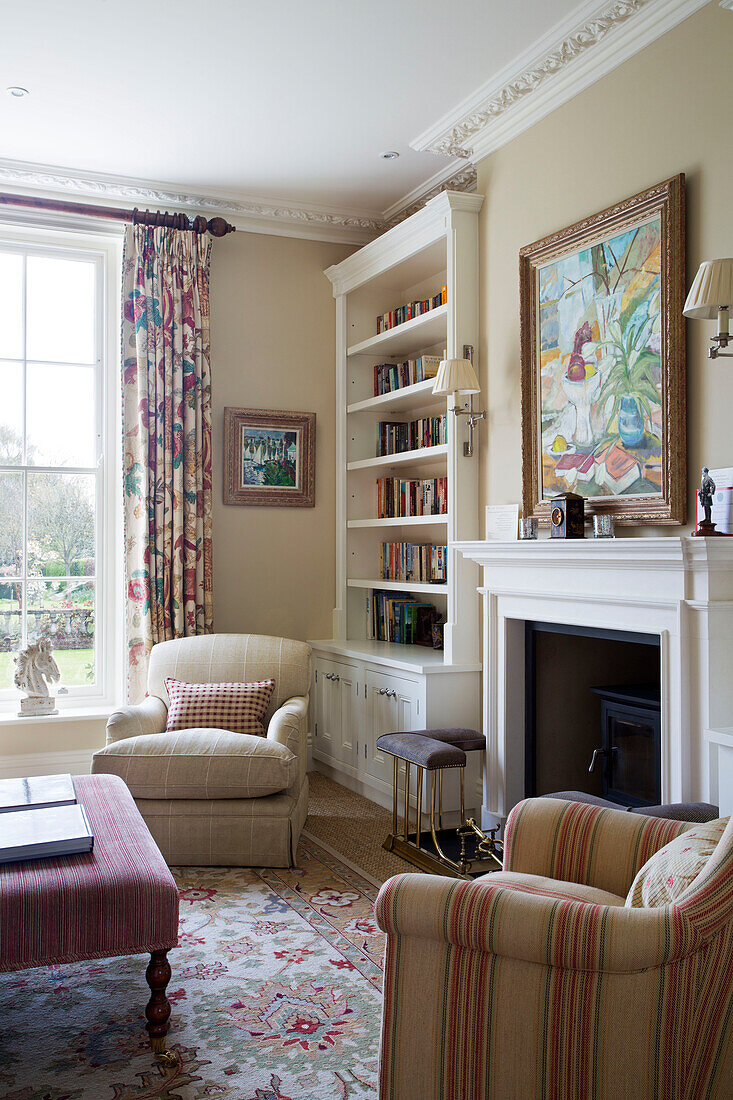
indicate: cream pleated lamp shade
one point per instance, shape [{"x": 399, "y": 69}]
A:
[
  {"x": 712, "y": 288},
  {"x": 456, "y": 376}
]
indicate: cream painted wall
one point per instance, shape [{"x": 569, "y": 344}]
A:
[
  {"x": 660, "y": 113},
  {"x": 273, "y": 347}
]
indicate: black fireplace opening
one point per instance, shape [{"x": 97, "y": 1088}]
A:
[{"x": 592, "y": 713}]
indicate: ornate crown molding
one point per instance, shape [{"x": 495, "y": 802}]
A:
[
  {"x": 285, "y": 218},
  {"x": 560, "y": 69},
  {"x": 462, "y": 180}
]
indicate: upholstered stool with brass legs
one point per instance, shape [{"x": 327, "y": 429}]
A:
[{"x": 432, "y": 752}]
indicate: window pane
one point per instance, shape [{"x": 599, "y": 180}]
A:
[
  {"x": 11, "y": 524},
  {"x": 60, "y": 309},
  {"x": 11, "y": 296},
  {"x": 61, "y": 525},
  {"x": 60, "y": 415},
  {"x": 10, "y": 614},
  {"x": 64, "y": 612},
  {"x": 11, "y": 412}
]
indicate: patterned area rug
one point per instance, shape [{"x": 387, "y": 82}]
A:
[{"x": 275, "y": 993}]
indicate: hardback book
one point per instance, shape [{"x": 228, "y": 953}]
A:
[
  {"x": 616, "y": 468},
  {"x": 45, "y": 833},
  {"x": 36, "y": 791},
  {"x": 575, "y": 467}
]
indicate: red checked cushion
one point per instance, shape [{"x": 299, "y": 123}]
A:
[{"x": 238, "y": 708}]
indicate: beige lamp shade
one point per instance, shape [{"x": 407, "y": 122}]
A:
[
  {"x": 711, "y": 289},
  {"x": 456, "y": 376}
]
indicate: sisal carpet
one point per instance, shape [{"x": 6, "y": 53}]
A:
[
  {"x": 354, "y": 827},
  {"x": 275, "y": 993}
]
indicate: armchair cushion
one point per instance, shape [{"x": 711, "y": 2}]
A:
[
  {"x": 541, "y": 886},
  {"x": 669, "y": 872},
  {"x": 199, "y": 764},
  {"x": 238, "y": 708}
]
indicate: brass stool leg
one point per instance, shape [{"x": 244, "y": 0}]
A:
[
  {"x": 463, "y": 811},
  {"x": 419, "y": 804},
  {"x": 440, "y": 799},
  {"x": 394, "y": 796},
  {"x": 407, "y": 801}
]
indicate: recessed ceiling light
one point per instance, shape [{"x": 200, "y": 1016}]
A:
[
  {"x": 389, "y": 155},
  {"x": 17, "y": 92}
]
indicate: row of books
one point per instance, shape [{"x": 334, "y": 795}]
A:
[
  {"x": 413, "y": 561},
  {"x": 401, "y": 497},
  {"x": 611, "y": 467},
  {"x": 399, "y": 619},
  {"x": 396, "y": 436},
  {"x": 386, "y": 321},
  {"x": 395, "y": 376}
]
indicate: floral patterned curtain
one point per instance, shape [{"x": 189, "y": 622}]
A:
[{"x": 166, "y": 423}]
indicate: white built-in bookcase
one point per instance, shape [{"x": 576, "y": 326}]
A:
[{"x": 436, "y": 247}]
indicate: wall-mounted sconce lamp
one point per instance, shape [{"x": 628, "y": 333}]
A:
[
  {"x": 711, "y": 296},
  {"x": 457, "y": 376}
]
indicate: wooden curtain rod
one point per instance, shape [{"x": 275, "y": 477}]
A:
[{"x": 218, "y": 227}]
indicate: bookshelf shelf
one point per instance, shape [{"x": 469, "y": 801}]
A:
[
  {"x": 404, "y": 458},
  {"x": 399, "y": 586},
  {"x": 421, "y": 332},
  {"x": 409, "y": 397},
  {"x": 363, "y": 687},
  {"x": 399, "y": 521}
]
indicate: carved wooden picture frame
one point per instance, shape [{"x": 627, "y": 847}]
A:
[
  {"x": 603, "y": 364},
  {"x": 269, "y": 458}
]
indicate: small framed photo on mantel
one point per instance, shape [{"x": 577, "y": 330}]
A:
[{"x": 269, "y": 458}]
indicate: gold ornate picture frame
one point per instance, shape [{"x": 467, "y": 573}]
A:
[
  {"x": 269, "y": 458},
  {"x": 603, "y": 364}
]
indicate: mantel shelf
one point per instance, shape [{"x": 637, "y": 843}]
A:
[
  {"x": 404, "y": 458},
  {"x": 405, "y": 398},
  {"x": 410, "y": 336}
]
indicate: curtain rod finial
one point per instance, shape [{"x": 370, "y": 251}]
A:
[{"x": 218, "y": 227}]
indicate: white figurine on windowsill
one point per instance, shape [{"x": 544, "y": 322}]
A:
[{"x": 35, "y": 665}]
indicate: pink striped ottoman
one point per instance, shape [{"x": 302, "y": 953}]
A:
[{"x": 119, "y": 899}]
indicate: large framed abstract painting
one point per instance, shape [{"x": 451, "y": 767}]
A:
[
  {"x": 603, "y": 361},
  {"x": 269, "y": 457}
]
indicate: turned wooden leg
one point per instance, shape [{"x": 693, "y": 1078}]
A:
[{"x": 158, "y": 1008}]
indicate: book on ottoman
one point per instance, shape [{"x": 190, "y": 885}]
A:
[
  {"x": 36, "y": 791},
  {"x": 44, "y": 833}
]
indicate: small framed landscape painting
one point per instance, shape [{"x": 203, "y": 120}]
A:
[
  {"x": 603, "y": 361},
  {"x": 269, "y": 457}
]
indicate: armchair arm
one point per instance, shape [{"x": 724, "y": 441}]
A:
[
  {"x": 147, "y": 717},
  {"x": 577, "y": 843},
  {"x": 288, "y": 726},
  {"x": 501, "y": 921}
]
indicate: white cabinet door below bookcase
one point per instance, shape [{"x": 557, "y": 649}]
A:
[
  {"x": 393, "y": 705},
  {"x": 335, "y": 711}
]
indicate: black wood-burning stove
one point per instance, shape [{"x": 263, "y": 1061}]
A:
[{"x": 630, "y": 749}]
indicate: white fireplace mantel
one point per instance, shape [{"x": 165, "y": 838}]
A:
[{"x": 678, "y": 588}]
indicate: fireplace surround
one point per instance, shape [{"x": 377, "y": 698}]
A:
[{"x": 677, "y": 588}]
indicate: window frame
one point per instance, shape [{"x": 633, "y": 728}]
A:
[{"x": 105, "y": 250}]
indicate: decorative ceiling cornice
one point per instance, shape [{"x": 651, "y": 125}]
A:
[
  {"x": 602, "y": 39},
  {"x": 296, "y": 219},
  {"x": 462, "y": 180}
]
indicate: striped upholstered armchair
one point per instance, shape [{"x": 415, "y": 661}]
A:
[{"x": 539, "y": 982}]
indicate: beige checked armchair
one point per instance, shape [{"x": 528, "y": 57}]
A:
[
  {"x": 211, "y": 797},
  {"x": 538, "y": 982}
]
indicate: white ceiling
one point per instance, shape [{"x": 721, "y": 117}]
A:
[{"x": 289, "y": 100}]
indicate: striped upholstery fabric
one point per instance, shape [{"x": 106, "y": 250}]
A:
[
  {"x": 496, "y": 993},
  {"x": 237, "y": 708},
  {"x": 120, "y": 899}
]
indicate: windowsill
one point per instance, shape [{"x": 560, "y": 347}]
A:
[{"x": 77, "y": 714}]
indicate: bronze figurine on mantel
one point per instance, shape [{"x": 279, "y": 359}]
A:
[{"x": 705, "y": 494}]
